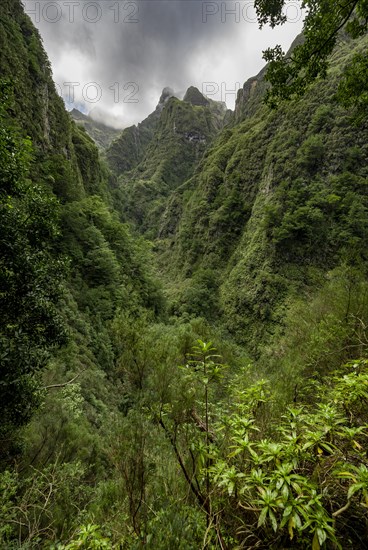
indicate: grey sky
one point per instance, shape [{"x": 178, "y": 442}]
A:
[{"x": 120, "y": 54}]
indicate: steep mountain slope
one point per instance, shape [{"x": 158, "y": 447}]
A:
[
  {"x": 106, "y": 270},
  {"x": 277, "y": 201},
  {"x": 127, "y": 151},
  {"x": 266, "y": 239},
  {"x": 161, "y": 153},
  {"x": 101, "y": 134}
]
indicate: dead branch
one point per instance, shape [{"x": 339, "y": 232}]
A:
[{"x": 65, "y": 383}]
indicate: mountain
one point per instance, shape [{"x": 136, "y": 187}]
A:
[
  {"x": 278, "y": 200},
  {"x": 67, "y": 263},
  {"x": 101, "y": 134},
  {"x": 162, "y": 152},
  {"x": 129, "y": 148}
]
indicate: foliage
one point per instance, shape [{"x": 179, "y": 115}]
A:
[
  {"x": 89, "y": 538},
  {"x": 323, "y": 329},
  {"x": 286, "y": 485},
  {"x": 113, "y": 268},
  {"x": 30, "y": 323},
  {"x": 101, "y": 134},
  {"x": 279, "y": 197},
  {"x": 159, "y": 155},
  {"x": 352, "y": 90},
  {"x": 38, "y": 506},
  {"x": 262, "y": 233},
  {"x": 290, "y": 74}
]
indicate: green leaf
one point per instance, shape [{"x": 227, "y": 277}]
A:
[
  {"x": 273, "y": 520},
  {"x": 354, "y": 489},
  {"x": 328, "y": 448},
  {"x": 321, "y": 535},
  {"x": 288, "y": 510},
  {"x": 291, "y": 526},
  {"x": 315, "y": 542},
  {"x": 279, "y": 483},
  {"x": 262, "y": 517},
  {"x": 298, "y": 521}
]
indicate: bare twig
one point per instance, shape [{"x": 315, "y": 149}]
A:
[
  {"x": 249, "y": 508},
  {"x": 65, "y": 383},
  {"x": 342, "y": 510}
]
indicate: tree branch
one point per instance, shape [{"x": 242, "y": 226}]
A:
[
  {"x": 201, "y": 500},
  {"x": 64, "y": 384},
  {"x": 201, "y": 425}
]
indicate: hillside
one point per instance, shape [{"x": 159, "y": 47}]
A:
[
  {"x": 129, "y": 148},
  {"x": 206, "y": 388},
  {"x": 68, "y": 264},
  {"x": 277, "y": 202}
]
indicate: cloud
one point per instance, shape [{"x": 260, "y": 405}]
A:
[{"x": 120, "y": 54}]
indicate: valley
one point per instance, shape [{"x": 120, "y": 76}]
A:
[{"x": 184, "y": 313}]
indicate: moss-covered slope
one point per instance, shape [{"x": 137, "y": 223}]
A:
[
  {"x": 278, "y": 200},
  {"x": 101, "y": 134}
]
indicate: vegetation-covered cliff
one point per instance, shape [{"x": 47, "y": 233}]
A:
[
  {"x": 115, "y": 431},
  {"x": 277, "y": 202},
  {"x": 67, "y": 263}
]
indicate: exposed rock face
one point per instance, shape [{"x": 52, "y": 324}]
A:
[
  {"x": 172, "y": 118},
  {"x": 165, "y": 96},
  {"x": 250, "y": 96},
  {"x": 128, "y": 150},
  {"x": 195, "y": 137},
  {"x": 159, "y": 154},
  {"x": 252, "y": 93},
  {"x": 194, "y": 97}
]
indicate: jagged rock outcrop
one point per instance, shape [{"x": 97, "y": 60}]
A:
[
  {"x": 250, "y": 96},
  {"x": 195, "y": 97},
  {"x": 129, "y": 148}
]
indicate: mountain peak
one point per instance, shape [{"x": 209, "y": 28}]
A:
[
  {"x": 166, "y": 94},
  {"x": 76, "y": 114},
  {"x": 194, "y": 96}
]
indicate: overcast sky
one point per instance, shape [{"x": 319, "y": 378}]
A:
[{"x": 113, "y": 57}]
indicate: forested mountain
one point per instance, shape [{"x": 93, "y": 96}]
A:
[
  {"x": 157, "y": 156},
  {"x": 121, "y": 425},
  {"x": 276, "y": 203},
  {"x": 67, "y": 263}
]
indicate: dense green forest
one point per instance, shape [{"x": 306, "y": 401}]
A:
[{"x": 184, "y": 310}]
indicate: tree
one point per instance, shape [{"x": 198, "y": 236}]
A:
[
  {"x": 198, "y": 375},
  {"x": 324, "y": 22},
  {"x": 29, "y": 277}
]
